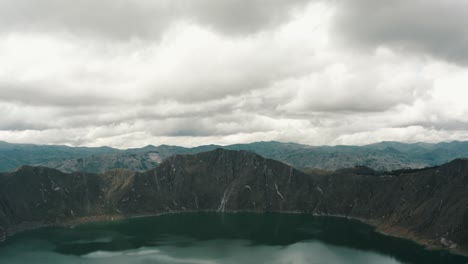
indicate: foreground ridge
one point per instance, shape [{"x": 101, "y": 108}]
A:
[{"x": 429, "y": 206}]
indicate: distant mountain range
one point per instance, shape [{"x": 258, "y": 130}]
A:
[{"x": 383, "y": 156}]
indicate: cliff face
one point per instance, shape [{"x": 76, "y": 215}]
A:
[{"x": 429, "y": 205}]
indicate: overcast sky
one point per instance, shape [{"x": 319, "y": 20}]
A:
[{"x": 128, "y": 73}]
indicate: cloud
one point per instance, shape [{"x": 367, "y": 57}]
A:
[
  {"x": 190, "y": 64},
  {"x": 373, "y": 83},
  {"x": 432, "y": 27},
  {"x": 198, "y": 74},
  {"x": 126, "y": 19},
  {"x": 241, "y": 17}
]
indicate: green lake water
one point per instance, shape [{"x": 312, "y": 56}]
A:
[{"x": 207, "y": 238}]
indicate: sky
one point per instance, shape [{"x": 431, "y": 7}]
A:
[{"x": 128, "y": 73}]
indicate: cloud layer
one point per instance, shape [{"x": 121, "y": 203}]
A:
[
  {"x": 132, "y": 73},
  {"x": 125, "y": 19},
  {"x": 433, "y": 27}
]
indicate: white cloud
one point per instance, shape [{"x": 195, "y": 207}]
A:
[{"x": 203, "y": 80}]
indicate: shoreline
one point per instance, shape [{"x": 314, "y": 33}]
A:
[{"x": 380, "y": 227}]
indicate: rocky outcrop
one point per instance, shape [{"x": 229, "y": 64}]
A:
[{"x": 430, "y": 205}]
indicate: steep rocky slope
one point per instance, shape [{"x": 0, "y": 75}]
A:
[{"x": 429, "y": 205}]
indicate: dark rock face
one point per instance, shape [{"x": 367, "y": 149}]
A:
[{"x": 429, "y": 205}]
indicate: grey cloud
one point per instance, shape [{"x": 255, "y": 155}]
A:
[
  {"x": 241, "y": 17},
  {"x": 123, "y": 19},
  {"x": 20, "y": 125},
  {"x": 444, "y": 124},
  {"x": 366, "y": 92},
  {"x": 179, "y": 115},
  {"x": 40, "y": 94},
  {"x": 198, "y": 86},
  {"x": 112, "y": 18},
  {"x": 216, "y": 124},
  {"x": 435, "y": 27}
]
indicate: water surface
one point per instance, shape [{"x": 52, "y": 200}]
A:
[{"x": 207, "y": 238}]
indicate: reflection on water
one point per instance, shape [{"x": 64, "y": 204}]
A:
[{"x": 207, "y": 238}]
